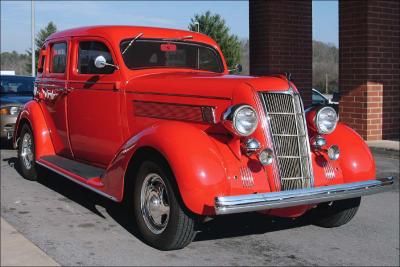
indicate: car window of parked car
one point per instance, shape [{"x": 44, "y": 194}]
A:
[
  {"x": 87, "y": 53},
  {"x": 318, "y": 99},
  {"x": 167, "y": 54},
  {"x": 16, "y": 85},
  {"x": 58, "y": 58}
]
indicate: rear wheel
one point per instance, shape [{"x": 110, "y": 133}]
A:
[
  {"x": 336, "y": 213},
  {"x": 161, "y": 218},
  {"x": 26, "y": 154}
]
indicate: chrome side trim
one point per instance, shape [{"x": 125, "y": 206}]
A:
[
  {"x": 283, "y": 199},
  {"x": 78, "y": 182}
]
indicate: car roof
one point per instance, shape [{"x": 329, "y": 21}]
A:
[{"x": 120, "y": 32}]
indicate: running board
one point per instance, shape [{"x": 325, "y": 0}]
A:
[{"x": 83, "y": 174}]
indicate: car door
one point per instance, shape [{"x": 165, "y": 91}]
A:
[
  {"x": 51, "y": 83},
  {"x": 94, "y": 109}
]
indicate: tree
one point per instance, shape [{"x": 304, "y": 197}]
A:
[
  {"x": 40, "y": 39},
  {"x": 325, "y": 65},
  {"x": 214, "y": 26}
]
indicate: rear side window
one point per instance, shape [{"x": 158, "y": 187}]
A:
[
  {"x": 58, "y": 58},
  {"x": 87, "y": 53}
]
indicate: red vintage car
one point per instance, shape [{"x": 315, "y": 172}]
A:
[{"x": 152, "y": 118}]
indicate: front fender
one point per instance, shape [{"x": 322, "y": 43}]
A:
[
  {"x": 33, "y": 115},
  {"x": 356, "y": 160},
  {"x": 192, "y": 155}
]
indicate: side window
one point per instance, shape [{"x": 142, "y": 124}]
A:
[
  {"x": 87, "y": 53},
  {"x": 41, "y": 64},
  {"x": 58, "y": 58}
]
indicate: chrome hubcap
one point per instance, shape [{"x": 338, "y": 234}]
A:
[
  {"x": 26, "y": 151},
  {"x": 154, "y": 203}
]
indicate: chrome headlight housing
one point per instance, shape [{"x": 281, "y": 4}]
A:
[
  {"x": 241, "y": 120},
  {"x": 326, "y": 120}
]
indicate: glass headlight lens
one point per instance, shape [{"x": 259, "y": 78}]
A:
[
  {"x": 240, "y": 120},
  {"x": 14, "y": 110},
  {"x": 245, "y": 120},
  {"x": 326, "y": 120}
]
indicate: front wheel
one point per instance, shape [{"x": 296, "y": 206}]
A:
[
  {"x": 26, "y": 154},
  {"x": 336, "y": 213},
  {"x": 162, "y": 220}
]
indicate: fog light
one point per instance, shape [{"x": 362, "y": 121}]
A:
[
  {"x": 318, "y": 142},
  {"x": 250, "y": 146},
  {"x": 333, "y": 152},
  {"x": 266, "y": 156}
]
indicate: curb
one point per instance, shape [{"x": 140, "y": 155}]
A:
[{"x": 16, "y": 250}]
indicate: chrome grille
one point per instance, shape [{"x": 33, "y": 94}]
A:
[{"x": 286, "y": 121}]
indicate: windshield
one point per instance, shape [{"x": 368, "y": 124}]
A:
[
  {"x": 16, "y": 85},
  {"x": 145, "y": 53}
]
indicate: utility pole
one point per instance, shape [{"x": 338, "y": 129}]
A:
[
  {"x": 326, "y": 83},
  {"x": 197, "y": 26},
  {"x": 33, "y": 36}
]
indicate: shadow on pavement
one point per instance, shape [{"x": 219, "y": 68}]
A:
[
  {"x": 5, "y": 144},
  {"x": 220, "y": 227}
]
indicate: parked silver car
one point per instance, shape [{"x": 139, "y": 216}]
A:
[{"x": 15, "y": 91}]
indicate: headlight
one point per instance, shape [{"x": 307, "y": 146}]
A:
[
  {"x": 326, "y": 120},
  {"x": 12, "y": 110},
  {"x": 241, "y": 120}
]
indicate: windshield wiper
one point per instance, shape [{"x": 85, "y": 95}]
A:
[
  {"x": 131, "y": 42},
  {"x": 178, "y": 38}
]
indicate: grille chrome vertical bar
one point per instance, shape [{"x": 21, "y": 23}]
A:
[{"x": 298, "y": 138}]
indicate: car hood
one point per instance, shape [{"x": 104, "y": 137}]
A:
[
  {"x": 203, "y": 83},
  {"x": 15, "y": 99}
]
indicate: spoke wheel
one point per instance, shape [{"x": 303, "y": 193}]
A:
[
  {"x": 154, "y": 203},
  {"x": 26, "y": 151},
  {"x": 26, "y": 154}
]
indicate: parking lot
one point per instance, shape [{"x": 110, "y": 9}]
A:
[{"x": 77, "y": 227}]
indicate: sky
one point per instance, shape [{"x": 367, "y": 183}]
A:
[{"x": 16, "y": 17}]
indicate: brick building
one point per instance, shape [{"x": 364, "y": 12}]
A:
[{"x": 369, "y": 77}]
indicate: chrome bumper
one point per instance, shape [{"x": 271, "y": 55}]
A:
[{"x": 283, "y": 199}]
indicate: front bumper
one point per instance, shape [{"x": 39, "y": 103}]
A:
[{"x": 284, "y": 199}]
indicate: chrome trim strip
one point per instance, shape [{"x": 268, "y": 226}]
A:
[
  {"x": 78, "y": 182},
  {"x": 283, "y": 199}
]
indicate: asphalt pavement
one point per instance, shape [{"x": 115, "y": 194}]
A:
[{"x": 77, "y": 227}]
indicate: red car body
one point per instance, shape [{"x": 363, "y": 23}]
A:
[{"x": 108, "y": 120}]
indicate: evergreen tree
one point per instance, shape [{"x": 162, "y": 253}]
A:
[
  {"x": 214, "y": 26},
  {"x": 39, "y": 41}
]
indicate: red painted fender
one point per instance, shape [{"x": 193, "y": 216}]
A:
[
  {"x": 32, "y": 113},
  {"x": 192, "y": 155},
  {"x": 356, "y": 160}
]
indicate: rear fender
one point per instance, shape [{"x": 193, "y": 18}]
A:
[
  {"x": 192, "y": 156},
  {"x": 33, "y": 115}
]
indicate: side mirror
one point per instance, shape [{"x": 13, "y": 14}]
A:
[
  {"x": 100, "y": 62},
  {"x": 237, "y": 69}
]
